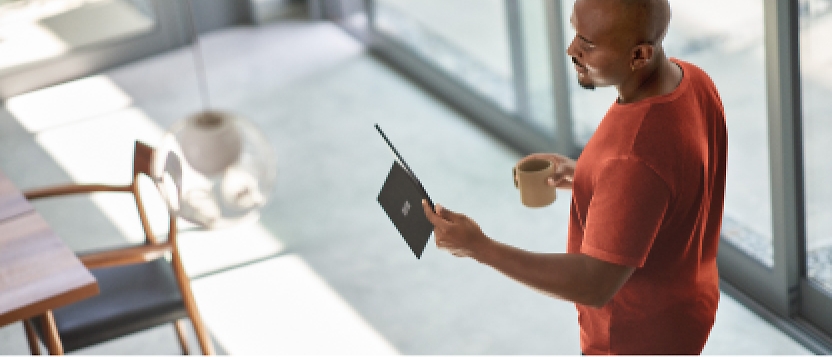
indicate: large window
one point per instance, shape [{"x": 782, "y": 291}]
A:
[
  {"x": 816, "y": 84},
  {"x": 816, "y": 67},
  {"x": 470, "y": 45},
  {"x": 490, "y": 58},
  {"x": 35, "y": 31},
  {"x": 45, "y": 42}
]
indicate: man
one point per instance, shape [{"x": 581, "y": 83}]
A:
[{"x": 647, "y": 194}]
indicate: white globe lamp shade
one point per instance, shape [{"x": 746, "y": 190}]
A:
[{"x": 214, "y": 169}]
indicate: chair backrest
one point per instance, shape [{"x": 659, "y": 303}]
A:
[
  {"x": 142, "y": 159},
  {"x": 142, "y": 164}
]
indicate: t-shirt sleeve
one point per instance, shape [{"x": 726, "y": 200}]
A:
[{"x": 625, "y": 212}]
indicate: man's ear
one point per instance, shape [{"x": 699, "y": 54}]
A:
[{"x": 642, "y": 55}]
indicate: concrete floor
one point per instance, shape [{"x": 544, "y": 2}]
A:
[{"x": 324, "y": 271}]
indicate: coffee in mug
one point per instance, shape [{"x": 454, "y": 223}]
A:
[{"x": 530, "y": 177}]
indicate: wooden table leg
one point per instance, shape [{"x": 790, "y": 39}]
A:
[
  {"x": 50, "y": 334},
  {"x": 31, "y": 336}
]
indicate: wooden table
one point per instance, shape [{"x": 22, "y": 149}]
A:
[{"x": 38, "y": 272}]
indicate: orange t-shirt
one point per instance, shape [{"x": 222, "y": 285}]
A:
[{"x": 648, "y": 193}]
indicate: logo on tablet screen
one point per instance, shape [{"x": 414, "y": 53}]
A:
[{"x": 406, "y": 208}]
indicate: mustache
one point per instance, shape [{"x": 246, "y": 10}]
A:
[{"x": 575, "y": 61}]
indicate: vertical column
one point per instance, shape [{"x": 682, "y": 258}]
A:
[
  {"x": 786, "y": 154},
  {"x": 314, "y": 9},
  {"x": 565, "y": 137},
  {"x": 514, "y": 24}
]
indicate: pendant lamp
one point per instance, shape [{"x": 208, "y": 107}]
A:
[{"x": 214, "y": 168}]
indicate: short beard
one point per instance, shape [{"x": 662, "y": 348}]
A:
[
  {"x": 589, "y": 86},
  {"x": 583, "y": 85}
]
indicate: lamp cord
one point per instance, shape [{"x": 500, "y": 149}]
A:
[{"x": 199, "y": 61}]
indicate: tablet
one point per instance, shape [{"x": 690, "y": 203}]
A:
[{"x": 401, "y": 198}]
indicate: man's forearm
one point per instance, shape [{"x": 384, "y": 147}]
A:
[{"x": 560, "y": 275}]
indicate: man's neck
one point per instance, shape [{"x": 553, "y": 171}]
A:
[{"x": 660, "y": 79}]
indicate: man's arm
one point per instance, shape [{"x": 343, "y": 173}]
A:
[
  {"x": 577, "y": 278},
  {"x": 574, "y": 277}
]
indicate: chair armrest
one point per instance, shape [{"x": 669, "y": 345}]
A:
[
  {"x": 125, "y": 256},
  {"x": 87, "y": 188},
  {"x": 73, "y": 189}
]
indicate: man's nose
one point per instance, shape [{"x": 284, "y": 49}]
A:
[{"x": 572, "y": 49}]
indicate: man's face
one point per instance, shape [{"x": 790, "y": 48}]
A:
[{"x": 599, "y": 50}]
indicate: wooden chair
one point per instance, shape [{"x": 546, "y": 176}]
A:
[{"x": 140, "y": 287}]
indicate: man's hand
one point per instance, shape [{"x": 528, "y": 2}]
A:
[
  {"x": 454, "y": 232},
  {"x": 564, "y": 169}
]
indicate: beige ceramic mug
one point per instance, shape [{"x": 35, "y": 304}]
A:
[{"x": 530, "y": 177}]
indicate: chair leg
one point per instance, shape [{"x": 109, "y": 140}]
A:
[
  {"x": 190, "y": 306},
  {"x": 179, "y": 326},
  {"x": 50, "y": 332},
  {"x": 31, "y": 336}
]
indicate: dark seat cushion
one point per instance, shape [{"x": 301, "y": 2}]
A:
[{"x": 132, "y": 298}]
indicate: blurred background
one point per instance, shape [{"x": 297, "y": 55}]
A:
[{"x": 464, "y": 88}]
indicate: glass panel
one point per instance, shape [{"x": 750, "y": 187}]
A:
[
  {"x": 729, "y": 45},
  {"x": 538, "y": 65},
  {"x": 356, "y": 14},
  {"x": 37, "y": 30},
  {"x": 467, "y": 39},
  {"x": 353, "y": 16},
  {"x": 816, "y": 69}
]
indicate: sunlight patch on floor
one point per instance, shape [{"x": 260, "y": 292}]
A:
[
  {"x": 281, "y": 306},
  {"x": 204, "y": 252},
  {"x": 100, "y": 151},
  {"x": 66, "y": 103}
]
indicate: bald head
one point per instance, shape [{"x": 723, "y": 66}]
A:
[
  {"x": 628, "y": 22},
  {"x": 645, "y": 20}
]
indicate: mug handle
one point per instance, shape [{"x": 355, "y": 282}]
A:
[{"x": 514, "y": 176}]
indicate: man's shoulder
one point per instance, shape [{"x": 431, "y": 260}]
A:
[
  {"x": 696, "y": 74},
  {"x": 689, "y": 67}
]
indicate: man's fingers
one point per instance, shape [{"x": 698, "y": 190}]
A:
[
  {"x": 557, "y": 182},
  {"x": 435, "y": 219},
  {"x": 559, "y": 178}
]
